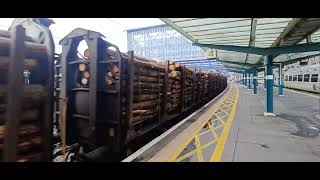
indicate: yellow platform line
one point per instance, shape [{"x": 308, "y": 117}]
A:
[
  {"x": 216, "y": 137},
  {"x": 198, "y": 148},
  {"x": 216, "y": 156},
  {"x": 213, "y": 131},
  {"x": 180, "y": 158},
  {"x": 220, "y": 119},
  {"x": 209, "y": 126},
  {"x": 191, "y": 137}
]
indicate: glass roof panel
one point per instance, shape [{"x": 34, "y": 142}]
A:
[
  {"x": 285, "y": 57},
  {"x": 206, "y": 21},
  {"x": 234, "y": 30},
  {"x": 230, "y": 65},
  {"x": 226, "y": 38},
  {"x": 216, "y": 41},
  {"x": 226, "y": 25},
  {"x": 273, "y": 20},
  {"x": 233, "y": 43},
  {"x": 176, "y": 20},
  {"x": 253, "y": 58},
  {"x": 222, "y": 35},
  {"x": 269, "y": 29},
  {"x": 231, "y": 56},
  {"x": 315, "y": 37}
]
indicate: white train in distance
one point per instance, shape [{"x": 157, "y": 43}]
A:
[
  {"x": 299, "y": 77},
  {"x": 305, "y": 78}
]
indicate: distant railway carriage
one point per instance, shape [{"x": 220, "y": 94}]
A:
[{"x": 305, "y": 78}]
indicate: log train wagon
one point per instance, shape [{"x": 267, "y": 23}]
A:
[
  {"x": 26, "y": 88},
  {"x": 108, "y": 98}
]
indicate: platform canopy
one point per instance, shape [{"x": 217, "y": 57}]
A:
[{"x": 234, "y": 39}]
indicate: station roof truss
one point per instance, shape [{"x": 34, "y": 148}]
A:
[{"x": 241, "y": 43}]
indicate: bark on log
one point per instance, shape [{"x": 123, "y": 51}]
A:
[
  {"x": 146, "y": 85},
  {"x": 34, "y": 91},
  {"x": 28, "y": 63},
  {"x": 32, "y": 157},
  {"x": 147, "y": 79},
  {"x": 145, "y": 91},
  {"x": 26, "y": 116},
  {"x": 115, "y": 68},
  {"x": 175, "y": 95},
  {"x": 145, "y": 104},
  {"x": 26, "y": 146},
  {"x": 86, "y": 74},
  {"x": 33, "y": 50},
  {"x": 142, "y": 118},
  {"x": 108, "y": 80},
  {"x": 148, "y": 65},
  {"x": 144, "y": 112},
  {"x": 147, "y": 72},
  {"x": 145, "y": 97},
  {"x": 175, "y": 86}
]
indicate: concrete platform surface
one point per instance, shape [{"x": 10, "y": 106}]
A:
[{"x": 255, "y": 138}]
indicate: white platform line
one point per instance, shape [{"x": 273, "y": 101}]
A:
[
  {"x": 301, "y": 93},
  {"x": 156, "y": 140}
]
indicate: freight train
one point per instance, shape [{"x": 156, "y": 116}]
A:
[
  {"x": 94, "y": 105},
  {"x": 106, "y": 99}
]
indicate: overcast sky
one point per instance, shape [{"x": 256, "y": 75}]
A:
[{"x": 114, "y": 29}]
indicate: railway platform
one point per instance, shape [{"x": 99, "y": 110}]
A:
[
  {"x": 254, "y": 137},
  {"x": 233, "y": 127}
]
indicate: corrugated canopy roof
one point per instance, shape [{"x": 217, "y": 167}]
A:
[{"x": 248, "y": 32}]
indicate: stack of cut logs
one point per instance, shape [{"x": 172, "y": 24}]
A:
[
  {"x": 205, "y": 83},
  {"x": 188, "y": 97},
  {"x": 29, "y": 139},
  {"x": 112, "y": 74},
  {"x": 148, "y": 86},
  {"x": 148, "y": 81},
  {"x": 174, "y": 87},
  {"x": 83, "y": 75},
  {"x": 211, "y": 78},
  {"x": 199, "y": 86}
]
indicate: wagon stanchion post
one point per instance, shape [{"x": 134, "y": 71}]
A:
[
  {"x": 15, "y": 94},
  {"x": 165, "y": 93},
  {"x": 183, "y": 83}
]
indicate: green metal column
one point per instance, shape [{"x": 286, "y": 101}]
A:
[
  {"x": 280, "y": 86},
  {"x": 245, "y": 79},
  {"x": 255, "y": 80},
  {"x": 249, "y": 81},
  {"x": 269, "y": 86},
  {"x": 265, "y": 82}
]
